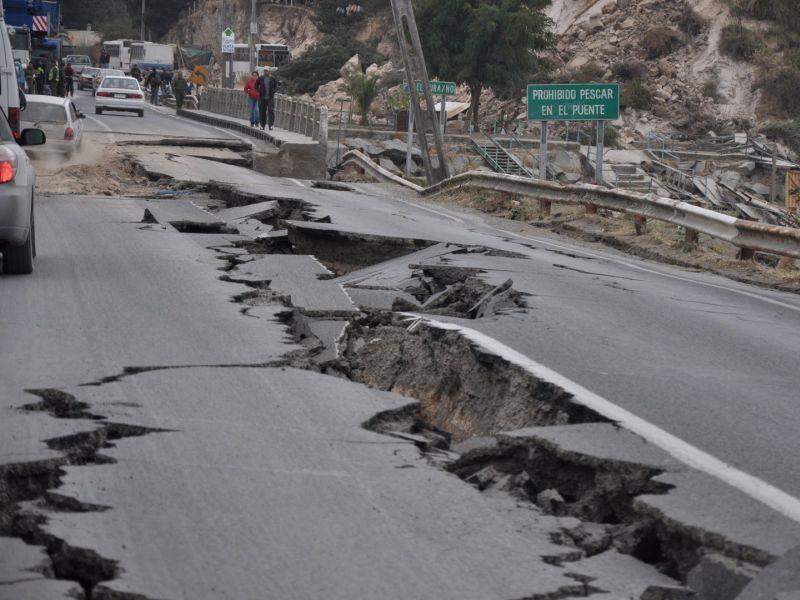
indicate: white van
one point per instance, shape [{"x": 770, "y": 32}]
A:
[{"x": 9, "y": 92}]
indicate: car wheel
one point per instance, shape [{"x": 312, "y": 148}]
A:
[
  {"x": 141, "y": 113},
  {"x": 18, "y": 260},
  {"x": 98, "y": 111}
]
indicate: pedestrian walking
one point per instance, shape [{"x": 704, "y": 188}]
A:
[
  {"x": 21, "y": 82},
  {"x": 30, "y": 78},
  {"x": 154, "y": 83},
  {"x": 69, "y": 80},
  {"x": 104, "y": 59},
  {"x": 252, "y": 94},
  {"x": 39, "y": 77},
  {"x": 60, "y": 83},
  {"x": 266, "y": 86},
  {"x": 179, "y": 90},
  {"x": 53, "y": 79}
]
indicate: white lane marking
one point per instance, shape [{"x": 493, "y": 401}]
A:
[
  {"x": 431, "y": 210},
  {"x": 625, "y": 263},
  {"x": 228, "y": 132},
  {"x": 777, "y": 499},
  {"x": 300, "y": 183}
]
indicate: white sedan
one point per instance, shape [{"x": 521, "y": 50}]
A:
[
  {"x": 61, "y": 121},
  {"x": 119, "y": 93}
]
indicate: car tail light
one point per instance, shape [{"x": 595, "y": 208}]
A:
[
  {"x": 69, "y": 133},
  {"x": 135, "y": 96},
  {"x": 104, "y": 94},
  {"x": 8, "y": 165},
  {"x": 13, "y": 120}
]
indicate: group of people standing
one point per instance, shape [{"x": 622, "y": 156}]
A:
[
  {"x": 260, "y": 91},
  {"x": 56, "y": 79}
]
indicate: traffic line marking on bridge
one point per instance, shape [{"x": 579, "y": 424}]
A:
[
  {"x": 625, "y": 263},
  {"x": 771, "y": 496}
]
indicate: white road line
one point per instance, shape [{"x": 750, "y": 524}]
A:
[
  {"x": 300, "y": 183},
  {"x": 777, "y": 499},
  {"x": 625, "y": 263},
  {"x": 431, "y": 210}
]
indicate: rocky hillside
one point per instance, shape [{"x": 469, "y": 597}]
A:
[
  {"x": 277, "y": 24},
  {"x": 665, "y": 52}
]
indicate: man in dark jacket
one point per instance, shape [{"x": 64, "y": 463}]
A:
[
  {"x": 266, "y": 86},
  {"x": 179, "y": 90}
]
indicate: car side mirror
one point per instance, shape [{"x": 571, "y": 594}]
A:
[
  {"x": 81, "y": 115},
  {"x": 32, "y": 137}
]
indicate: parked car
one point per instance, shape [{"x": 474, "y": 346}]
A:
[
  {"x": 60, "y": 120},
  {"x": 17, "y": 183},
  {"x": 78, "y": 61},
  {"x": 86, "y": 79},
  {"x": 119, "y": 93},
  {"x": 101, "y": 75}
]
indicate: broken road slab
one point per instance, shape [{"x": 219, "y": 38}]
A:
[{"x": 292, "y": 485}]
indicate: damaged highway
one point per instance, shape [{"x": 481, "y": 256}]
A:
[{"x": 232, "y": 385}]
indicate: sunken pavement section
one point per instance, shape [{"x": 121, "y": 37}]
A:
[{"x": 379, "y": 453}]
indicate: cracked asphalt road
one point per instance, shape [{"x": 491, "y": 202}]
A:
[{"x": 261, "y": 481}]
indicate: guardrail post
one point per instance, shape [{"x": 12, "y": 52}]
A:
[
  {"x": 293, "y": 114},
  {"x": 544, "y": 206},
  {"x": 639, "y": 224},
  {"x": 322, "y": 132},
  {"x": 746, "y": 254}
]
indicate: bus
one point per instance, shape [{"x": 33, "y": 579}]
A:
[
  {"x": 269, "y": 55},
  {"x": 119, "y": 53},
  {"x": 148, "y": 55}
]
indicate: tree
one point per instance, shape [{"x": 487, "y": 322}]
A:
[
  {"x": 483, "y": 43},
  {"x": 363, "y": 89}
]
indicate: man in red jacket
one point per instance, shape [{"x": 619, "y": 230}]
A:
[{"x": 251, "y": 92}]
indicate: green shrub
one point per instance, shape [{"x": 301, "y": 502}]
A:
[
  {"x": 363, "y": 89},
  {"x": 636, "y": 94},
  {"x": 781, "y": 11},
  {"x": 786, "y": 131},
  {"x": 628, "y": 70},
  {"x": 739, "y": 42},
  {"x": 690, "y": 22},
  {"x": 779, "y": 85},
  {"x": 660, "y": 41},
  {"x": 321, "y": 63},
  {"x": 589, "y": 72}
]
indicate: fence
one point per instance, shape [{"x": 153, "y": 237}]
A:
[
  {"x": 291, "y": 114},
  {"x": 748, "y": 235}
]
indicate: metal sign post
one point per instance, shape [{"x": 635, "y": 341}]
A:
[
  {"x": 228, "y": 41},
  {"x": 438, "y": 88},
  {"x": 543, "y": 152},
  {"x": 598, "y": 170},
  {"x": 409, "y": 141},
  {"x": 252, "y": 37}
]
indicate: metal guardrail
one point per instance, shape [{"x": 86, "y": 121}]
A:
[
  {"x": 749, "y": 235},
  {"x": 291, "y": 114}
]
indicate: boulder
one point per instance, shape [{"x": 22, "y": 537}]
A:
[
  {"x": 578, "y": 61},
  {"x": 609, "y": 8},
  {"x": 350, "y": 65},
  {"x": 395, "y": 150},
  {"x": 731, "y": 179},
  {"x": 758, "y": 188},
  {"x": 389, "y": 166}
]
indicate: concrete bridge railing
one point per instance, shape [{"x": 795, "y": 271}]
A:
[{"x": 291, "y": 114}]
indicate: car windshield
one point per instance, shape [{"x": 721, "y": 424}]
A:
[
  {"x": 120, "y": 83},
  {"x": 91, "y": 71},
  {"x": 108, "y": 72},
  {"x": 37, "y": 112},
  {"x": 79, "y": 60}
]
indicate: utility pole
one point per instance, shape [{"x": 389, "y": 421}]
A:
[
  {"x": 253, "y": 33},
  {"x": 141, "y": 34}
]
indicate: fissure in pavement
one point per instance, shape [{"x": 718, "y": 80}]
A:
[{"x": 34, "y": 482}]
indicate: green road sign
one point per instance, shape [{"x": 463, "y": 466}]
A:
[
  {"x": 438, "y": 88},
  {"x": 573, "y": 102}
]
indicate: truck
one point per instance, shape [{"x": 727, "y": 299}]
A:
[
  {"x": 41, "y": 17},
  {"x": 148, "y": 55},
  {"x": 33, "y": 27}
]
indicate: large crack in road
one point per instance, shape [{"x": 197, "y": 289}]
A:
[{"x": 472, "y": 414}]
